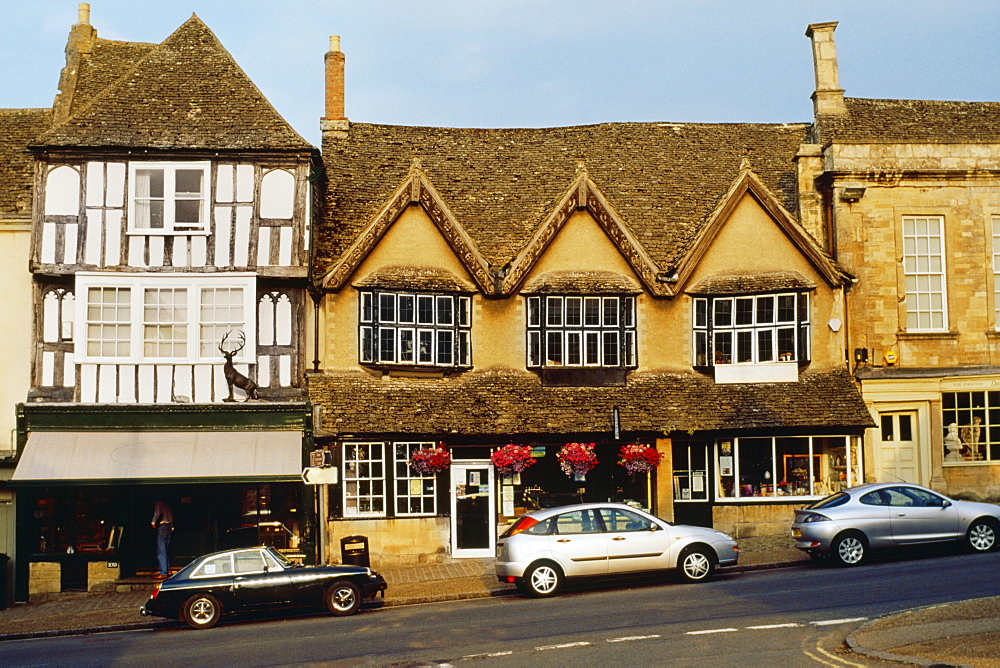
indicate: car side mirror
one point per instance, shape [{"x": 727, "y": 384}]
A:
[{"x": 945, "y": 503}]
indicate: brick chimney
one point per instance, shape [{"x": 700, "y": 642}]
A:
[
  {"x": 334, "y": 119},
  {"x": 828, "y": 99},
  {"x": 79, "y": 46}
]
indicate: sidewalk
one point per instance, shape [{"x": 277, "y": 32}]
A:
[{"x": 962, "y": 633}]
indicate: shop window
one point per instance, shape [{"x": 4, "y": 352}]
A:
[
  {"x": 972, "y": 426},
  {"x": 786, "y": 466},
  {"x": 751, "y": 329},
  {"x": 581, "y": 331},
  {"x": 375, "y": 487},
  {"x": 405, "y": 329}
]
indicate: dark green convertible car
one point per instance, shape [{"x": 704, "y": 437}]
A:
[{"x": 257, "y": 578}]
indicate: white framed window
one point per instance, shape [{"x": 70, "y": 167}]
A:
[
  {"x": 577, "y": 330},
  {"x": 414, "y": 494},
  {"x": 751, "y": 329},
  {"x": 168, "y": 197},
  {"x": 163, "y": 317},
  {"x": 364, "y": 479},
  {"x": 414, "y": 329},
  {"x": 924, "y": 272},
  {"x": 996, "y": 272}
]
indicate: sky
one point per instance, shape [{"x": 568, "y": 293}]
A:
[{"x": 543, "y": 63}]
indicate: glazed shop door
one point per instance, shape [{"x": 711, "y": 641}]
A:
[
  {"x": 473, "y": 509},
  {"x": 897, "y": 455},
  {"x": 691, "y": 501}
]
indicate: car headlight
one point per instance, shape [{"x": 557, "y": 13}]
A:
[{"x": 815, "y": 517}]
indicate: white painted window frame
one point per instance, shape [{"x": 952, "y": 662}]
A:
[
  {"x": 137, "y": 284},
  {"x": 923, "y": 266},
  {"x": 169, "y": 198}
]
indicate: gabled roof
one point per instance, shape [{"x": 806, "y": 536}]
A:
[
  {"x": 661, "y": 182},
  {"x": 747, "y": 183},
  {"x": 186, "y": 93},
  {"x": 17, "y": 128},
  {"x": 912, "y": 122},
  {"x": 508, "y": 401}
]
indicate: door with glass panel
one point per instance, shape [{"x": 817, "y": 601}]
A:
[
  {"x": 473, "y": 510},
  {"x": 690, "y": 483},
  {"x": 897, "y": 454}
]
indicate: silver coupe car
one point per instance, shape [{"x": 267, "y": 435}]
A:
[
  {"x": 544, "y": 548},
  {"x": 846, "y": 525}
]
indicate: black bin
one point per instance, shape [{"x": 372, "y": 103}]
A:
[{"x": 354, "y": 551}]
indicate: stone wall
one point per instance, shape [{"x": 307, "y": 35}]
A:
[
  {"x": 391, "y": 542},
  {"x": 979, "y": 482},
  {"x": 755, "y": 519}
]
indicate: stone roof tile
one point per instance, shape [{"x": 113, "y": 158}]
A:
[
  {"x": 663, "y": 179},
  {"x": 186, "y": 93},
  {"x": 503, "y": 401},
  {"x": 18, "y": 127},
  {"x": 912, "y": 122}
]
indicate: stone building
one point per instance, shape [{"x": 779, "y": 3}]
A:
[
  {"x": 622, "y": 283},
  {"x": 906, "y": 195}
]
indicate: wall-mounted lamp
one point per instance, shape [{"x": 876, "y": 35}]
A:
[{"x": 852, "y": 193}]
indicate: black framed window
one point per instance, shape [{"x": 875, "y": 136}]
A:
[
  {"x": 412, "y": 329},
  {"x": 581, "y": 331},
  {"x": 751, "y": 329}
]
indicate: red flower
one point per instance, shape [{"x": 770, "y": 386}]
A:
[
  {"x": 511, "y": 459},
  {"x": 430, "y": 461},
  {"x": 577, "y": 458},
  {"x": 639, "y": 457}
]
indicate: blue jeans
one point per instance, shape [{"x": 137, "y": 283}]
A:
[{"x": 162, "y": 543}]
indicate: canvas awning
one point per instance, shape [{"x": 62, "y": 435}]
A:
[{"x": 116, "y": 457}]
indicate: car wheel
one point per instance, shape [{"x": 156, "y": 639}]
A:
[
  {"x": 982, "y": 535},
  {"x": 542, "y": 580},
  {"x": 696, "y": 564},
  {"x": 343, "y": 598},
  {"x": 201, "y": 611},
  {"x": 849, "y": 550}
]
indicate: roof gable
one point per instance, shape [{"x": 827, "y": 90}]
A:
[
  {"x": 416, "y": 189},
  {"x": 186, "y": 93},
  {"x": 747, "y": 183}
]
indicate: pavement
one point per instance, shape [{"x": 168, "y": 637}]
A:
[{"x": 957, "y": 634}]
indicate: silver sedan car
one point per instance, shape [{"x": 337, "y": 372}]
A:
[
  {"x": 543, "y": 548},
  {"x": 846, "y": 525}
]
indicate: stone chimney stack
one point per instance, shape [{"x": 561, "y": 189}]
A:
[
  {"x": 334, "y": 119},
  {"x": 828, "y": 99},
  {"x": 79, "y": 46}
]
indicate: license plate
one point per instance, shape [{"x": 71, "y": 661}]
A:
[{"x": 796, "y": 532}]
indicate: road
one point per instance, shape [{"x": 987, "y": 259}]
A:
[{"x": 788, "y": 617}]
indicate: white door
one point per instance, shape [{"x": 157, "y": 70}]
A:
[
  {"x": 473, "y": 510},
  {"x": 898, "y": 456}
]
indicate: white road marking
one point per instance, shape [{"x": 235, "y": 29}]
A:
[
  {"x": 698, "y": 633},
  {"x": 830, "y": 622},
  {"x": 790, "y": 625},
  {"x": 487, "y": 655},
  {"x": 629, "y": 638},
  {"x": 563, "y": 646}
]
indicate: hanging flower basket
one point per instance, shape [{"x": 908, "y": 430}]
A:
[
  {"x": 575, "y": 459},
  {"x": 511, "y": 459},
  {"x": 639, "y": 458},
  {"x": 430, "y": 461}
]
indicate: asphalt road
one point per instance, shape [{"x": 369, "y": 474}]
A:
[{"x": 788, "y": 617}]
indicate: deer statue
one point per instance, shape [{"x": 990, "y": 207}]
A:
[{"x": 233, "y": 377}]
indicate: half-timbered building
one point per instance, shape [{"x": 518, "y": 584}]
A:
[
  {"x": 622, "y": 283},
  {"x": 169, "y": 251}
]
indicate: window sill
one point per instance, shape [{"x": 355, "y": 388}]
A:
[
  {"x": 415, "y": 371},
  {"x": 167, "y": 233},
  {"x": 769, "y": 499},
  {"x": 971, "y": 462},
  {"x": 926, "y": 336}
]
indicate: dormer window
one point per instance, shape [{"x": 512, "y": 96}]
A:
[
  {"x": 751, "y": 329},
  {"x": 168, "y": 198},
  {"x": 581, "y": 331},
  {"x": 415, "y": 329}
]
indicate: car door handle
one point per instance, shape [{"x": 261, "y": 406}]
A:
[
  {"x": 563, "y": 540},
  {"x": 900, "y": 514},
  {"x": 237, "y": 582},
  {"x": 618, "y": 538}
]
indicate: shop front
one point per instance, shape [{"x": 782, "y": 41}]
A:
[{"x": 86, "y": 496}]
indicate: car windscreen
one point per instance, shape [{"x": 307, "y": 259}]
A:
[{"x": 832, "y": 501}]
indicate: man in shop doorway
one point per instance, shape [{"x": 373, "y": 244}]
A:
[{"x": 163, "y": 522}]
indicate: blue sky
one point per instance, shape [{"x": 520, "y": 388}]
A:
[{"x": 538, "y": 63}]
